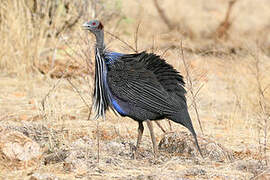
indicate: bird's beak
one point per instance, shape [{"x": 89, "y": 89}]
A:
[{"x": 86, "y": 26}]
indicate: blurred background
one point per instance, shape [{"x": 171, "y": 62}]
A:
[{"x": 222, "y": 48}]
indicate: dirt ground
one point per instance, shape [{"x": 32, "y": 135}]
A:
[{"x": 230, "y": 93}]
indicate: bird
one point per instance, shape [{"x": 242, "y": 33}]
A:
[{"x": 141, "y": 86}]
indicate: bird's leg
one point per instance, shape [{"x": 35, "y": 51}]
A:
[
  {"x": 159, "y": 125},
  {"x": 150, "y": 126},
  {"x": 139, "y": 139}
]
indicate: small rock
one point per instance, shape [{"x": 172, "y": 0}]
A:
[
  {"x": 178, "y": 143},
  {"x": 182, "y": 143},
  {"x": 46, "y": 176},
  {"x": 16, "y": 146}
]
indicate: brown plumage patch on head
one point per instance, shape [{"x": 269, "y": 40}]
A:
[{"x": 100, "y": 26}]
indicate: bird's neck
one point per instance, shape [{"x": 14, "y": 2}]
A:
[{"x": 100, "y": 41}]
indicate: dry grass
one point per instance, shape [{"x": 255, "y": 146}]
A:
[{"x": 233, "y": 103}]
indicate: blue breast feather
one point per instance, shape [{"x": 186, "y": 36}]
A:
[
  {"x": 117, "y": 107},
  {"x": 111, "y": 57}
]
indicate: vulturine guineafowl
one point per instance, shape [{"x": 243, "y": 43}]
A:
[{"x": 141, "y": 86}]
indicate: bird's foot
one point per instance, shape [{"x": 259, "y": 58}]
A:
[
  {"x": 135, "y": 155},
  {"x": 134, "y": 151},
  {"x": 156, "y": 154}
]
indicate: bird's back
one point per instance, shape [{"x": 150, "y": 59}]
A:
[{"x": 168, "y": 77}]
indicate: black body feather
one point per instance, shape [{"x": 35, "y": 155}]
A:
[{"x": 145, "y": 82}]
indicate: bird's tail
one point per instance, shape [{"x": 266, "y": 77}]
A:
[{"x": 183, "y": 118}]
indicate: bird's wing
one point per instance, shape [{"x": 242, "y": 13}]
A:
[
  {"x": 132, "y": 82},
  {"x": 168, "y": 77}
]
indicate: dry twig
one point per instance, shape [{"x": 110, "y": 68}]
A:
[
  {"x": 163, "y": 15},
  {"x": 122, "y": 41},
  {"x": 191, "y": 87},
  {"x": 136, "y": 36},
  {"x": 263, "y": 113},
  {"x": 225, "y": 25}
]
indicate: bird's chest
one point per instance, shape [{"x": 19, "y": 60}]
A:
[{"x": 119, "y": 105}]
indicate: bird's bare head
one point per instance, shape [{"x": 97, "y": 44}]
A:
[{"x": 94, "y": 26}]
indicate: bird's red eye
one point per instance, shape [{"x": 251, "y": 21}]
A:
[{"x": 93, "y": 23}]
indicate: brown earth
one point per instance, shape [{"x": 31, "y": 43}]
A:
[{"x": 48, "y": 102}]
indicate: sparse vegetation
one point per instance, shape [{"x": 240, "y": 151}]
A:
[{"x": 46, "y": 77}]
